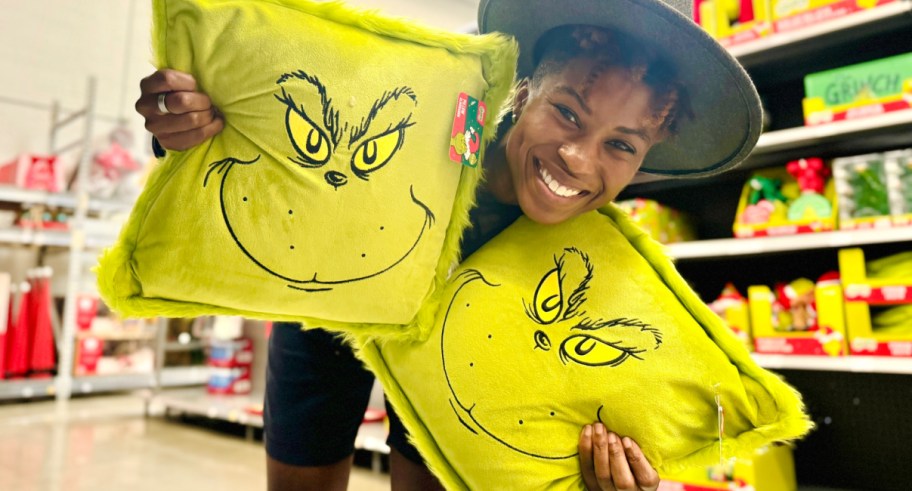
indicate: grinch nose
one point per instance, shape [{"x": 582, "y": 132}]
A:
[{"x": 335, "y": 179}]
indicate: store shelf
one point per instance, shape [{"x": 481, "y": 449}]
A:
[
  {"x": 26, "y": 389},
  {"x": 178, "y": 346},
  {"x": 14, "y": 194},
  {"x": 868, "y": 22},
  {"x": 116, "y": 336},
  {"x": 24, "y": 236},
  {"x": 227, "y": 408},
  {"x": 808, "y": 136},
  {"x": 112, "y": 383},
  {"x": 765, "y": 245},
  {"x": 51, "y": 238},
  {"x": 180, "y": 376},
  {"x": 860, "y": 364}
]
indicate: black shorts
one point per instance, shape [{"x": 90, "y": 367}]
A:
[{"x": 316, "y": 395}]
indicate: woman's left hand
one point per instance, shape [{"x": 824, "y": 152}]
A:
[{"x": 610, "y": 462}]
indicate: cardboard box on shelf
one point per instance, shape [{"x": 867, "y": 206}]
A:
[
  {"x": 770, "y": 469},
  {"x": 889, "y": 286},
  {"x": 773, "y": 203},
  {"x": 803, "y": 318},
  {"x": 858, "y": 91},
  {"x": 790, "y": 15},
  {"x": 734, "y": 22}
]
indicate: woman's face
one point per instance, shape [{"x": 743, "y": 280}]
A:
[{"x": 580, "y": 138}]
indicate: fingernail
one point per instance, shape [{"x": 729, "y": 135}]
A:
[
  {"x": 587, "y": 431},
  {"x": 612, "y": 438},
  {"x": 599, "y": 429},
  {"x": 628, "y": 443}
]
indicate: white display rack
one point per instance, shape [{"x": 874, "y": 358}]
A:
[
  {"x": 52, "y": 238},
  {"x": 47, "y": 387},
  {"x": 859, "y": 364},
  {"x": 766, "y": 245},
  {"x": 806, "y": 136},
  {"x": 14, "y": 194},
  {"x": 867, "y": 19}
]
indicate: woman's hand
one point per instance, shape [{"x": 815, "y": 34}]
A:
[
  {"x": 611, "y": 463},
  {"x": 189, "y": 118}
]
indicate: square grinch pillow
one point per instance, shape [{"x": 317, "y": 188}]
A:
[
  {"x": 548, "y": 328},
  {"x": 338, "y": 191}
]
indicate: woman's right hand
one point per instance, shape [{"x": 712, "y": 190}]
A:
[{"x": 190, "y": 118}]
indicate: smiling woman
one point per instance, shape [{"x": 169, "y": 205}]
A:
[{"x": 592, "y": 111}]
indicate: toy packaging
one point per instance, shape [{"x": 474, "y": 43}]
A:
[
  {"x": 874, "y": 190},
  {"x": 664, "y": 224},
  {"x": 733, "y": 22},
  {"x": 732, "y": 307},
  {"x": 332, "y": 188},
  {"x": 771, "y": 468},
  {"x": 547, "y": 328},
  {"x": 789, "y": 15},
  {"x": 878, "y": 297},
  {"x": 899, "y": 185},
  {"x": 37, "y": 172},
  {"x": 800, "y": 318},
  {"x": 797, "y": 199},
  {"x": 858, "y": 91}
]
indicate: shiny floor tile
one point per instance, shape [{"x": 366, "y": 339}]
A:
[{"x": 106, "y": 443}]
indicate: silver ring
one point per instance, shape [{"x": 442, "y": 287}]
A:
[{"x": 162, "y": 107}]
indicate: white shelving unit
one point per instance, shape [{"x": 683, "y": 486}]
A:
[
  {"x": 870, "y": 19},
  {"x": 83, "y": 240},
  {"x": 857, "y": 364},
  {"x": 703, "y": 249}
]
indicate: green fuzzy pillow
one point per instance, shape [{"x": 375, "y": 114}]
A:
[
  {"x": 338, "y": 191},
  {"x": 548, "y": 328}
]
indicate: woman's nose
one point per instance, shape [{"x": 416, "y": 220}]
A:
[{"x": 577, "y": 155}]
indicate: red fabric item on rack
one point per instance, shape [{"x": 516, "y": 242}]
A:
[
  {"x": 17, "y": 339},
  {"x": 43, "y": 357}
]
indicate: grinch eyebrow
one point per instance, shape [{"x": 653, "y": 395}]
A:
[
  {"x": 379, "y": 104},
  {"x": 330, "y": 115}
]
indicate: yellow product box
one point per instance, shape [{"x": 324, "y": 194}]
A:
[
  {"x": 772, "y": 203},
  {"x": 802, "y": 318},
  {"x": 882, "y": 288},
  {"x": 789, "y": 15},
  {"x": 734, "y": 22},
  {"x": 731, "y": 306},
  {"x": 858, "y": 91},
  {"x": 663, "y": 223},
  {"x": 770, "y": 469}
]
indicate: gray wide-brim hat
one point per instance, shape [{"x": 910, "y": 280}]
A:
[{"x": 726, "y": 106}]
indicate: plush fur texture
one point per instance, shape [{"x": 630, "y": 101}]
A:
[
  {"x": 522, "y": 356},
  {"x": 176, "y": 257}
]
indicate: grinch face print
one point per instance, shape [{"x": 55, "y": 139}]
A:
[
  {"x": 336, "y": 210},
  {"x": 509, "y": 361}
]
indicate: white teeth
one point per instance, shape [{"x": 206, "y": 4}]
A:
[{"x": 556, "y": 187}]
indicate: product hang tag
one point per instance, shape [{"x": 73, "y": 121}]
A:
[{"x": 468, "y": 126}]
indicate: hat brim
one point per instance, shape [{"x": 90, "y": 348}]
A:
[{"x": 728, "y": 115}]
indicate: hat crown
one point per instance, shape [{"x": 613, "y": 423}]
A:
[{"x": 685, "y": 7}]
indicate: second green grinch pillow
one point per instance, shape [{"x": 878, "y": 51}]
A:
[
  {"x": 548, "y": 328},
  {"x": 337, "y": 193}
]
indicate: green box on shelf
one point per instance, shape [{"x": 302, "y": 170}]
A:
[{"x": 865, "y": 89}]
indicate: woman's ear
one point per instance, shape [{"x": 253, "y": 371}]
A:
[{"x": 520, "y": 97}]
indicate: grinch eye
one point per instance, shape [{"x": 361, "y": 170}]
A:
[
  {"x": 591, "y": 351},
  {"x": 549, "y": 299},
  {"x": 308, "y": 140},
  {"x": 376, "y": 152}
]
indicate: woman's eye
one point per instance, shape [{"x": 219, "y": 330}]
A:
[
  {"x": 568, "y": 115},
  {"x": 622, "y": 146}
]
